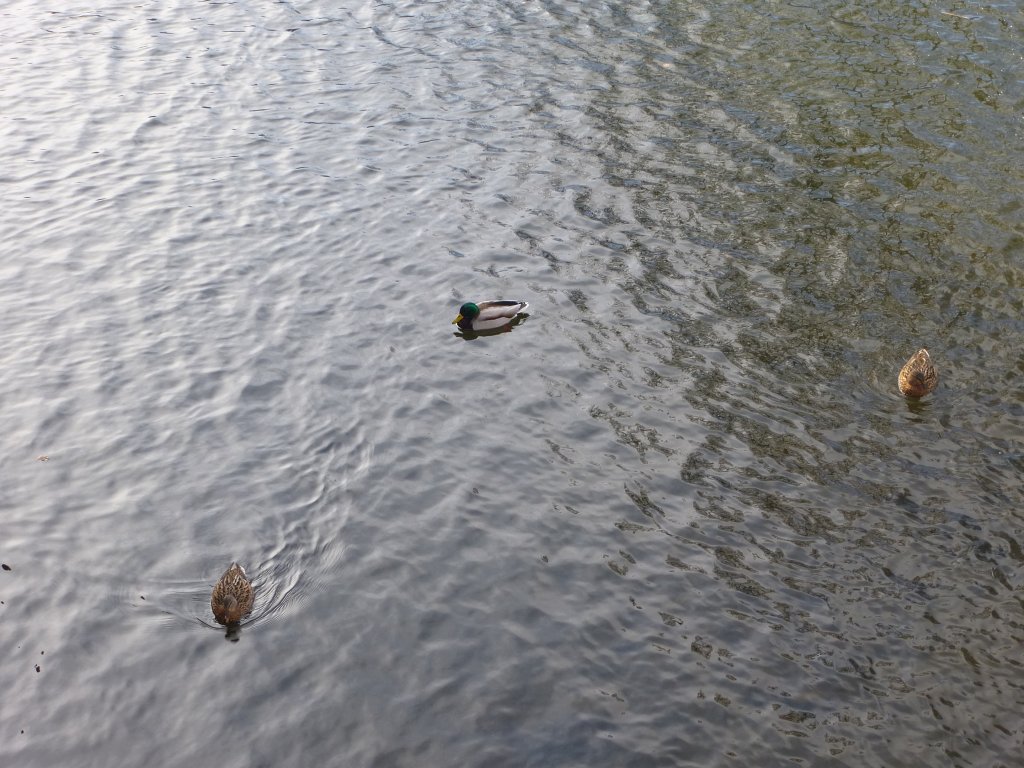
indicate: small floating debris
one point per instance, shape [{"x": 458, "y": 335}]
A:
[{"x": 42, "y": 458}]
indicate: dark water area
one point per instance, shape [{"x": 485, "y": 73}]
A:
[{"x": 680, "y": 515}]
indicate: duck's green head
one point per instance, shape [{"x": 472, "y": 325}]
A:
[{"x": 467, "y": 311}]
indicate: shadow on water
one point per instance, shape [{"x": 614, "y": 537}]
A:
[{"x": 918, "y": 406}]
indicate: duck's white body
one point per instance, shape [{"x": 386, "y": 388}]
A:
[{"x": 493, "y": 314}]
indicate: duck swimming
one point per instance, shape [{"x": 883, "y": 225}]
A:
[
  {"x": 918, "y": 377},
  {"x": 232, "y": 597},
  {"x": 488, "y": 315}
]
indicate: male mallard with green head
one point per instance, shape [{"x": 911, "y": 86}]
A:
[
  {"x": 232, "y": 597},
  {"x": 488, "y": 315},
  {"x": 918, "y": 377}
]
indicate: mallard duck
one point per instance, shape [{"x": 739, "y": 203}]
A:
[
  {"x": 488, "y": 315},
  {"x": 918, "y": 376},
  {"x": 231, "y": 600}
]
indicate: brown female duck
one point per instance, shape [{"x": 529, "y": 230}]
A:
[
  {"x": 918, "y": 377},
  {"x": 232, "y": 597}
]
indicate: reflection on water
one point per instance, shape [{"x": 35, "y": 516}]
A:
[
  {"x": 682, "y": 511},
  {"x": 470, "y": 335}
]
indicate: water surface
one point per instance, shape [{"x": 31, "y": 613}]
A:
[{"x": 679, "y": 516}]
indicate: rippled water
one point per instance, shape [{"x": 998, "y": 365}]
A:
[{"x": 679, "y": 516}]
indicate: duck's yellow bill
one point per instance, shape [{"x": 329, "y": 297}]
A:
[{"x": 457, "y": 318}]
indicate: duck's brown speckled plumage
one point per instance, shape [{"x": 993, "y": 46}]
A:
[
  {"x": 232, "y": 597},
  {"x": 918, "y": 377}
]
